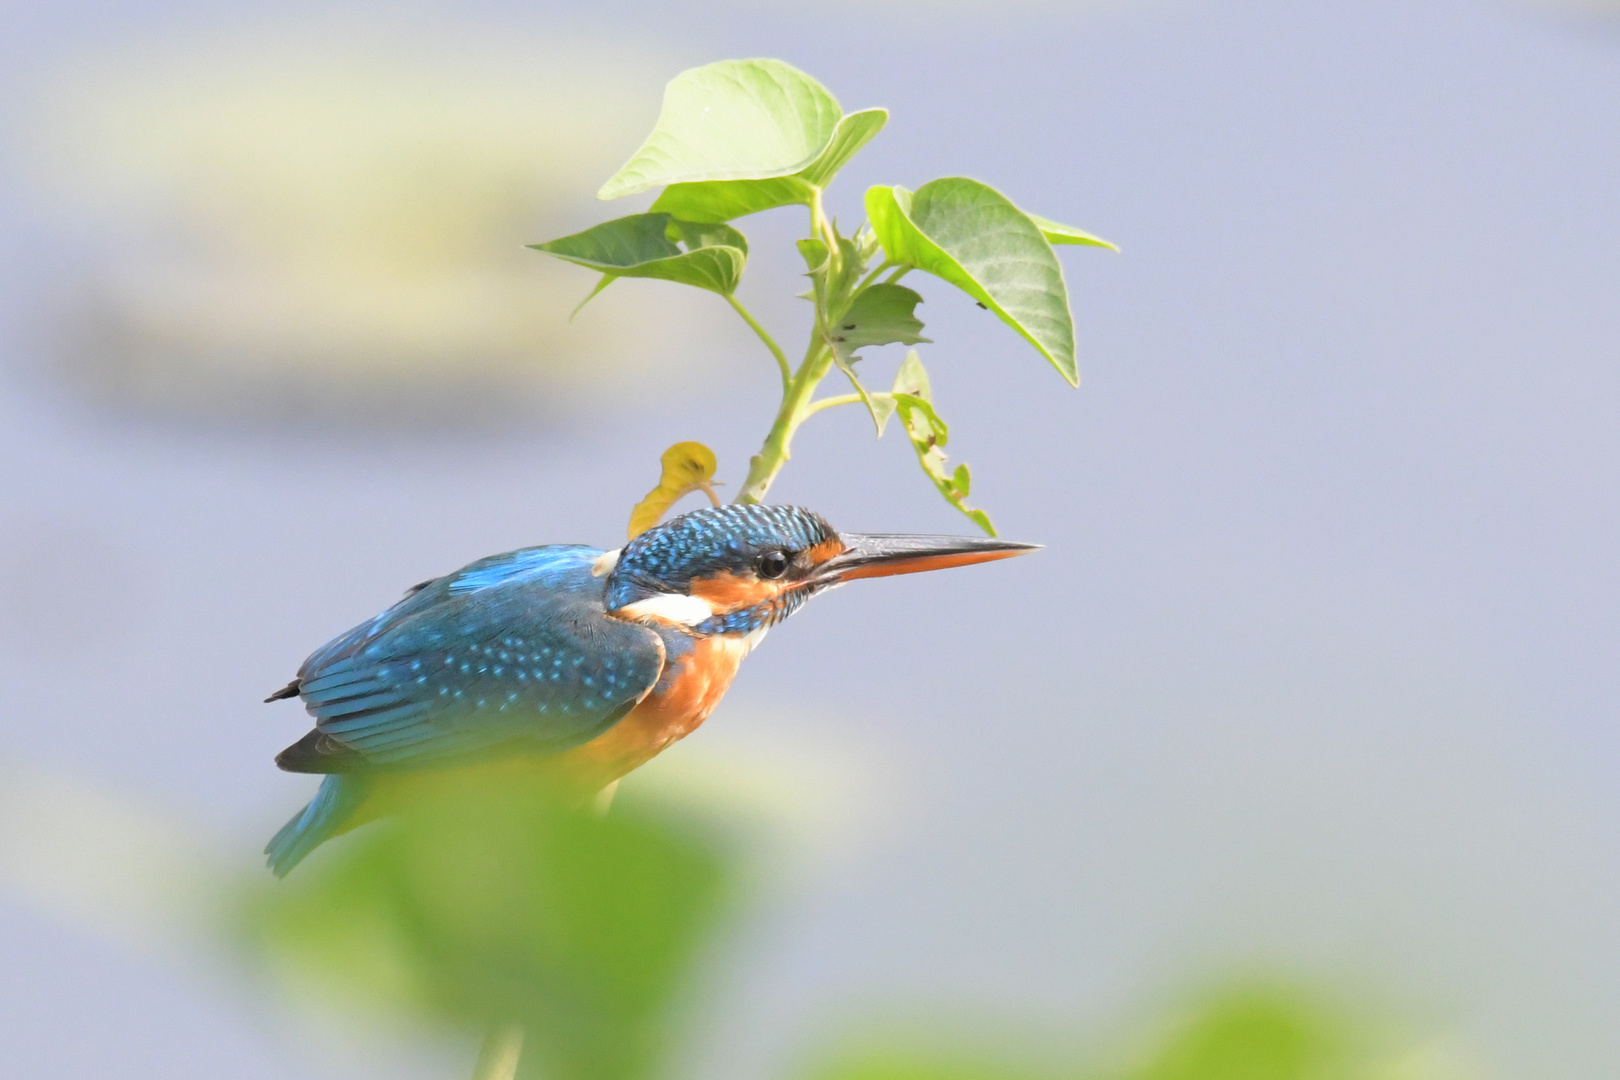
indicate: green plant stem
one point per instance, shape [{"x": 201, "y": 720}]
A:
[
  {"x": 820, "y": 226},
  {"x": 899, "y": 272},
  {"x": 831, "y": 403},
  {"x": 869, "y": 278},
  {"x": 498, "y": 1057},
  {"x": 798, "y": 390},
  {"x": 763, "y": 466},
  {"x": 770, "y": 342}
]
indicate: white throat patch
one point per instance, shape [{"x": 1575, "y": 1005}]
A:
[{"x": 669, "y": 607}]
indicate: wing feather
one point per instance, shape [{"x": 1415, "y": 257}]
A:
[{"x": 515, "y": 649}]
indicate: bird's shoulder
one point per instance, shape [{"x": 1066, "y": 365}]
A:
[{"x": 535, "y": 584}]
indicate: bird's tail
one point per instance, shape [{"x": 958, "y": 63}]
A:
[{"x": 325, "y": 816}]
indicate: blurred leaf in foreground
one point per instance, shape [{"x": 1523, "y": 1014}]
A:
[
  {"x": 1256, "y": 1033},
  {"x": 873, "y": 1064},
  {"x": 1243, "y": 1031},
  {"x": 493, "y": 903}
]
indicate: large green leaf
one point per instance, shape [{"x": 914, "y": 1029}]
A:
[
  {"x": 913, "y": 401},
  {"x": 732, "y": 120},
  {"x": 1067, "y": 234},
  {"x": 882, "y": 315},
  {"x": 972, "y": 236},
  {"x": 723, "y": 200},
  {"x": 706, "y": 256}
]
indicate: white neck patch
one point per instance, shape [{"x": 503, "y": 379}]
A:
[
  {"x": 669, "y": 607},
  {"x": 605, "y": 562}
]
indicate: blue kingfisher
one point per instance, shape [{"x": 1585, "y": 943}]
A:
[{"x": 580, "y": 662}]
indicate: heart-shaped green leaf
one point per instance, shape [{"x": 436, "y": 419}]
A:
[
  {"x": 1067, "y": 234},
  {"x": 732, "y": 120},
  {"x": 913, "y": 401},
  {"x": 724, "y": 200},
  {"x": 706, "y": 256},
  {"x": 881, "y": 315},
  {"x": 972, "y": 236}
]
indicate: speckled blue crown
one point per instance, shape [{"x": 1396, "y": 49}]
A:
[{"x": 710, "y": 541}]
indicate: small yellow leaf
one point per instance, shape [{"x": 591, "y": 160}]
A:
[{"x": 688, "y": 467}]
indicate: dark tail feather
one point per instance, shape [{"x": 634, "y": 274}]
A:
[
  {"x": 288, "y": 691},
  {"x": 337, "y": 798}
]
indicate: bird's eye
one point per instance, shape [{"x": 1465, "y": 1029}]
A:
[{"x": 773, "y": 564}]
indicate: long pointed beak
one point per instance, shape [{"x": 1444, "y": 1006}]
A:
[{"x": 881, "y": 554}]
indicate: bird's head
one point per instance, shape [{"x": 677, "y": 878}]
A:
[{"x": 737, "y": 569}]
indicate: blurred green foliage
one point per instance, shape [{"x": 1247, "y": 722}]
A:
[
  {"x": 497, "y": 903},
  {"x": 1257, "y": 1033},
  {"x": 1242, "y": 1030}
]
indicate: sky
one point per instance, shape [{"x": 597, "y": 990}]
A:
[{"x": 1316, "y": 673}]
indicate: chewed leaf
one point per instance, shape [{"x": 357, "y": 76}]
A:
[
  {"x": 925, "y": 429},
  {"x": 706, "y": 256},
  {"x": 724, "y": 200},
  {"x": 922, "y": 422},
  {"x": 688, "y": 467},
  {"x": 881, "y": 315},
  {"x": 1068, "y": 234},
  {"x": 972, "y": 236},
  {"x": 732, "y": 120},
  {"x": 929, "y": 434}
]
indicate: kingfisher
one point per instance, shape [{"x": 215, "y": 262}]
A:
[{"x": 579, "y": 663}]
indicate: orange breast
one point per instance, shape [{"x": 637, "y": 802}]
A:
[{"x": 661, "y": 718}]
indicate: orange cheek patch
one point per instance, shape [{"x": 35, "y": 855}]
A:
[
  {"x": 926, "y": 562},
  {"x": 728, "y": 592}
]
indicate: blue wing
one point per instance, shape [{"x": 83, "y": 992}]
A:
[{"x": 512, "y": 649}]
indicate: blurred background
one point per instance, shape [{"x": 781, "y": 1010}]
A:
[{"x": 1316, "y": 680}]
